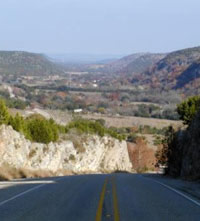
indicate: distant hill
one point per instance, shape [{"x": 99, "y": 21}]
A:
[
  {"x": 178, "y": 70},
  {"x": 118, "y": 65},
  {"x": 81, "y": 59},
  {"x": 142, "y": 63},
  {"x": 25, "y": 63},
  {"x": 135, "y": 63},
  {"x": 191, "y": 74}
]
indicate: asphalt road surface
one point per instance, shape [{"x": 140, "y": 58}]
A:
[{"x": 113, "y": 197}]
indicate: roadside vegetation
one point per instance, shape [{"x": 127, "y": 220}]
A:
[
  {"x": 39, "y": 129},
  {"x": 187, "y": 110},
  {"x": 13, "y": 102},
  {"x": 94, "y": 127},
  {"x": 180, "y": 151}
]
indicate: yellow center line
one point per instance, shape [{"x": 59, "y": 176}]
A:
[
  {"x": 115, "y": 201},
  {"x": 100, "y": 206}
]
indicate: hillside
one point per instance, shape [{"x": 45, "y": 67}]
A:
[
  {"x": 134, "y": 63},
  {"x": 142, "y": 63},
  {"x": 174, "y": 71},
  {"x": 122, "y": 63},
  {"x": 192, "y": 73},
  {"x": 25, "y": 63}
]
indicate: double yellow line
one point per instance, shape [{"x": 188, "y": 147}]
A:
[
  {"x": 115, "y": 202},
  {"x": 101, "y": 201}
]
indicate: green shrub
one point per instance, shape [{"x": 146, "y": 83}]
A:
[
  {"x": 188, "y": 109},
  {"x": 158, "y": 140},
  {"x": 61, "y": 129},
  {"x": 101, "y": 121},
  {"x": 16, "y": 103},
  {"x": 93, "y": 127},
  {"x": 4, "y": 115},
  {"x": 146, "y": 129},
  {"x": 18, "y": 123},
  {"x": 37, "y": 128},
  {"x": 42, "y": 130}
]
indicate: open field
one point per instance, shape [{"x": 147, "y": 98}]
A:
[
  {"x": 119, "y": 121},
  {"x": 64, "y": 117}
]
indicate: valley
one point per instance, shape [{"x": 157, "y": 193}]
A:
[
  {"x": 100, "y": 110},
  {"x": 117, "y": 98}
]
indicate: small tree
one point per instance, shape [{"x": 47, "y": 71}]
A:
[
  {"x": 4, "y": 115},
  {"x": 188, "y": 109},
  {"x": 101, "y": 110},
  {"x": 39, "y": 131},
  {"x": 42, "y": 130}
]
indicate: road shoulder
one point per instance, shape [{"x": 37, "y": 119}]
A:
[{"x": 189, "y": 188}]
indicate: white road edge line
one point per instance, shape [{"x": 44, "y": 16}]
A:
[
  {"x": 25, "y": 192},
  {"x": 177, "y": 192}
]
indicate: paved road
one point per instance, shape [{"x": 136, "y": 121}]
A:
[{"x": 114, "y": 197}]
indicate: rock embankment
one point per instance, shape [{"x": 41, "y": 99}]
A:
[{"x": 87, "y": 153}]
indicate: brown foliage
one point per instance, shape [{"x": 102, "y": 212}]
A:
[{"x": 142, "y": 157}]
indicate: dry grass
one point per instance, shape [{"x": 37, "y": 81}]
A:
[
  {"x": 123, "y": 121},
  {"x": 77, "y": 139},
  {"x": 64, "y": 117},
  {"x": 9, "y": 173},
  {"x": 32, "y": 153},
  {"x": 78, "y": 145}
]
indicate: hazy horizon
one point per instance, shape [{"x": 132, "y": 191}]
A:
[{"x": 99, "y": 27}]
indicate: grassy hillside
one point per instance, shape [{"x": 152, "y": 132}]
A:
[{"x": 24, "y": 63}]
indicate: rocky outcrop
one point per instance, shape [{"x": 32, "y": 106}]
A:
[{"x": 83, "y": 154}]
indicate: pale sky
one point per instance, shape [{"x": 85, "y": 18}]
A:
[{"x": 99, "y": 26}]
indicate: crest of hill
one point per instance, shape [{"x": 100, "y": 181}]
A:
[{"x": 25, "y": 63}]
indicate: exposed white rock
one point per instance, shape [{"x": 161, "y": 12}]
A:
[{"x": 94, "y": 154}]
